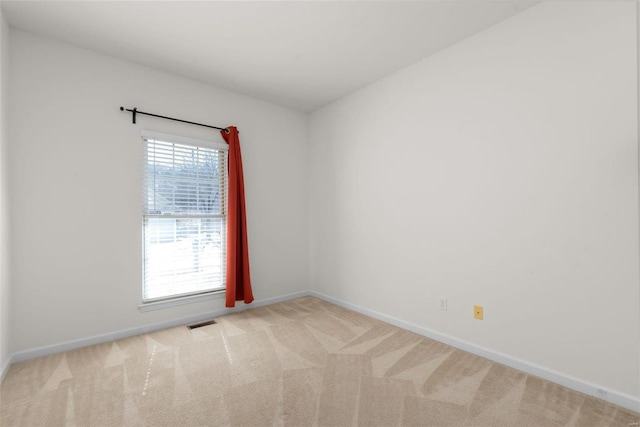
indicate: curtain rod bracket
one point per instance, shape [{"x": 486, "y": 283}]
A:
[{"x": 133, "y": 114}]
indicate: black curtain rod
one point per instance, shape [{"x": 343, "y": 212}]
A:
[{"x": 136, "y": 111}]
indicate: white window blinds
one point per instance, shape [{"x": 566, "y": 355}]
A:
[{"x": 184, "y": 216}]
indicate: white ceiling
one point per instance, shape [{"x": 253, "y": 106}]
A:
[{"x": 299, "y": 54}]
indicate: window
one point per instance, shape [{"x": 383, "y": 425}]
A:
[{"x": 184, "y": 216}]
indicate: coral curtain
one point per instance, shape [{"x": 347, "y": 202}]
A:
[{"x": 238, "y": 278}]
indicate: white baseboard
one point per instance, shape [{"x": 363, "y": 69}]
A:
[
  {"x": 5, "y": 368},
  {"x": 98, "y": 339},
  {"x": 611, "y": 396}
]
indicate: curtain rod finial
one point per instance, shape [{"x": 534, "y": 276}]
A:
[{"x": 121, "y": 108}]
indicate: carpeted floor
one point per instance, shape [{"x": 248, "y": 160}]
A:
[{"x": 299, "y": 363}]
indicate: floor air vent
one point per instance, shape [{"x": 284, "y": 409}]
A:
[{"x": 200, "y": 325}]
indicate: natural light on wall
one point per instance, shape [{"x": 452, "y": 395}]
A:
[{"x": 184, "y": 216}]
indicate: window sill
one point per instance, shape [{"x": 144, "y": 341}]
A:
[{"x": 159, "y": 305}]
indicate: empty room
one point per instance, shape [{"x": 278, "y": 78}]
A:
[{"x": 319, "y": 213}]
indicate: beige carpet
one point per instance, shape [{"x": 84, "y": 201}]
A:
[{"x": 300, "y": 363}]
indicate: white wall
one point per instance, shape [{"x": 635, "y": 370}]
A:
[
  {"x": 5, "y": 289},
  {"x": 76, "y": 186},
  {"x": 503, "y": 172}
]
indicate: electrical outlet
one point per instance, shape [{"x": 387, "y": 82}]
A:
[
  {"x": 443, "y": 304},
  {"x": 478, "y": 312}
]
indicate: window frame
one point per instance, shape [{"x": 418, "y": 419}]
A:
[{"x": 196, "y": 296}]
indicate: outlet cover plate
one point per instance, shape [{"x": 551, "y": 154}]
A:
[{"x": 478, "y": 312}]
